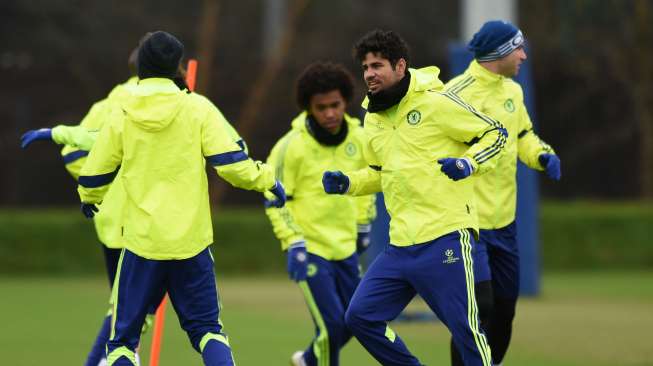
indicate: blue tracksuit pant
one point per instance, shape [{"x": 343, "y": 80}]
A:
[
  {"x": 327, "y": 291},
  {"x": 191, "y": 285},
  {"x": 111, "y": 257},
  {"x": 98, "y": 351},
  {"x": 496, "y": 259},
  {"x": 441, "y": 272}
]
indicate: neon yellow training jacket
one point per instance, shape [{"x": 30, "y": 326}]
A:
[
  {"x": 502, "y": 99},
  {"x": 326, "y": 222},
  {"x": 161, "y": 143},
  {"x": 78, "y": 141},
  {"x": 404, "y": 144}
]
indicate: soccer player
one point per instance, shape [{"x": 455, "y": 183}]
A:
[
  {"x": 422, "y": 144},
  {"x": 486, "y": 84},
  {"x": 318, "y": 231},
  {"x": 77, "y": 141},
  {"x": 161, "y": 142}
]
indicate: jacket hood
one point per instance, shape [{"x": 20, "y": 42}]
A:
[
  {"x": 153, "y": 103},
  {"x": 426, "y": 78}
]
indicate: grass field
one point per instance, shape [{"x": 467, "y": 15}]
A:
[{"x": 598, "y": 319}]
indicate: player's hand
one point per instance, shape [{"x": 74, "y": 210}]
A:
[
  {"x": 363, "y": 238},
  {"x": 335, "y": 182},
  {"x": 456, "y": 169},
  {"x": 551, "y": 163},
  {"x": 35, "y": 135},
  {"x": 280, "y": 193},
  {"x": 89, "y": 210},
  {"x": 297, "y": 261}
]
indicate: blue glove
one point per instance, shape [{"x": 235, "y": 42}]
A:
[
  {"x": 456, "y": 169},
  {"x": 363, "y": 238},
  {"x": 35, "y": 135},
  {"x": 297, "y": 261},
  {"x": 278, "y": 191},
  {"x": 335, "y": 182},
  {"x": 551, "y": 163},
  {"x": 89, "y": 210}
]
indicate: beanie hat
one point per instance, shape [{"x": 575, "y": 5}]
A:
[
  {"x": 159, "y": 56},
  {"x": 495, "y": 39}
]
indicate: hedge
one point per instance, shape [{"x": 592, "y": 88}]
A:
[{"x": 576, "y": 235}]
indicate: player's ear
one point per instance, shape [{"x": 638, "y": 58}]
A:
[{"x": 401, "y": 65}]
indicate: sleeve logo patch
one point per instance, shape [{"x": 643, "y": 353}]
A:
[
  {"x": 509, "y": 105},
  {"x": 413, "y": 117}
]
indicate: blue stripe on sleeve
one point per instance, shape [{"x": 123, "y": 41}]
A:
[
  {"x": 74, "y": 156},
  {"x": 227, "y": 158},
  {"x": 94, "y": 181}
]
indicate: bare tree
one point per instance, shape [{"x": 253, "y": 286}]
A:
[
  {"x": 207, "y": 40},
  {"x": 262, "y": 85}
]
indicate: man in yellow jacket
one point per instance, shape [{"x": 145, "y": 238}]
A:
[
  {"x": 77, "y": 141},
  {"x": 321, "y": 232},
  {"x": 160, "y": 143},
  {"x": 422, "y": 146},
  {"x": 486, "y": 84}
]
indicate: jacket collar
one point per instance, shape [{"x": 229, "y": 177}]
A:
[
  {"x": 299, "y": 123},
  {"x": 484, "y": 75},
  {"x": 423, "y": 79}
]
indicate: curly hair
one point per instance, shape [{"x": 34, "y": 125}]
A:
[
  {"x": 323, "y": 77},
  {"x": 388, "y": 44}
]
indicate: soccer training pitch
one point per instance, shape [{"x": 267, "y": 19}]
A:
[{"x": 580, "y": 319}]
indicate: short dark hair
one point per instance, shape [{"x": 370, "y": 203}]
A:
[
  {"x": 388, "y": 44},
  {"x": 323, "y": 77}
]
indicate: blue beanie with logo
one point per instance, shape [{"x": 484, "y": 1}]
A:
[{"x": 495, "y": 39}]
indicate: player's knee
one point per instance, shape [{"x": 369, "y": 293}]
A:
[{"x": 353, "y": 318}]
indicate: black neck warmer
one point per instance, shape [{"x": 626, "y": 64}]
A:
[
  {"x": 323, "y": 136},
  {"x": 181, "y": 84},
  {"x": 389, "y": 97}
]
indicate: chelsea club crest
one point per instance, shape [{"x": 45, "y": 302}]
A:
[
  {"x": 413, "y": 117},
  {"x": 509, "y": 105},
  {"x": 350, "y": 149}
]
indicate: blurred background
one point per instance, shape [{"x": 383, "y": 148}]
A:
[{"x": 592, "y": 74}]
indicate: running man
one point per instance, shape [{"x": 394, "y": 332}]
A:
[
  {"x": 422, "y": 144},
  {"x": 487, "y": 85},
  {"x": 322, "y": 234}
]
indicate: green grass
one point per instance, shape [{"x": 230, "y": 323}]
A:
[{"x": 586, "y": 318}]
